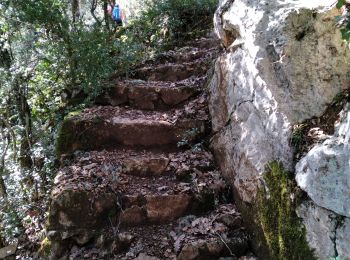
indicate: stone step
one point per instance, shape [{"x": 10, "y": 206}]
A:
[
  {"x": 151, "y": 95},
  {"x": 145, "y": 163},
  {"x": 185, "y": 54},
  {"x": 206, "y": 43},
  {"x": 93, "y": 190},
  {"x": 210, "y": 236},
  {"x": 103, "y": 127},
  {"x": 173, "y": 71}
]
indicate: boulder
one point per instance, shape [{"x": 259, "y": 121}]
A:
[
  {"x": 285, "y": 62},
  {"x": 264, "y": 84},
  {"x": 324, "y": 173}
]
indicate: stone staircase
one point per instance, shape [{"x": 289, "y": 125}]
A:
[{"x": 136, "y": 181}]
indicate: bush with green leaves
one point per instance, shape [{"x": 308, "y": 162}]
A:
[
  {"x": 344, "y": 20},
  {"x": 180, "y": 20},
  {"x": 173, "y": 21}
]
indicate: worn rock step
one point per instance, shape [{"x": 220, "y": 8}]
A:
[
  {"x": 143, "y": 163},
  {"x": 173, "y": 71},
  {"x": 151, "y": 95},
  {"x": 206, "y": 42},
  {"x": 185, "y": 54},
  {"x": 102, "y": 127},
  {"x": 154, "y": 208},
  {"x": 211, "y": 236},
  {"x": 97, "y": 188}
]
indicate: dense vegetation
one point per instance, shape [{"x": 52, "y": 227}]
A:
[{"x": 54, "y": 60}]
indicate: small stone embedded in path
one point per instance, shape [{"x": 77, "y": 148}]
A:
[
  {"x": 8, "y": 251},
  {"x": 136, "y": 179}
]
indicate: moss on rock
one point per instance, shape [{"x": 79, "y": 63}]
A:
[
  {"x": 283, "y": 230},
  {"x": 45, "y": 248},
  {"x": 66, "y": 136}
]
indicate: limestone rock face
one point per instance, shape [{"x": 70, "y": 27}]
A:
[
  {"x": 285, "y": 62},
  {"x": 248, "y": 123},
  {"x": 326, "y": 232},
  {"x": 324, "y": 173},
  {"x": 343, "y": 239},
  {"x": 320, "y": 225}
]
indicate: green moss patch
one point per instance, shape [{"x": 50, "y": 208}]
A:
[
  {"x": 45, "y": 248},
  {"x": 74, "y": 113},
  {"x": 283, "y": 230},
  {"x": 66, "y": 136}
]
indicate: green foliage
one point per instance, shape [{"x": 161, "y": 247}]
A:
[
  {"x": 92, "y": 55},
  {"x": 169, "y": 22},
  {"x": 45, "y": 248},
  {"x": 340, "y": 3},
  {"x": 132, "y": 49},
  {"x": 11, "y": 223},
  {"x": 162, "y": 25},
  {"x": 344, "y": 20},
  {"x": 78, "y": 56},
  {"x": 298, "y": 135},
  {"x": 284, "y": 233},
  {"x": 180, "y": 20}
]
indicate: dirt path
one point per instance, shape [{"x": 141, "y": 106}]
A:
[{"x": 136, "y": 180}]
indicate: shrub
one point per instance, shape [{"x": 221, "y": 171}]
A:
[
  {"x": 181, "y": 19},
  {"x": 344, "y": 20},
  {"x": 163, "y": 25}
]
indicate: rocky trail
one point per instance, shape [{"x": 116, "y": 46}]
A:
[{"x": 136, "y": 179}]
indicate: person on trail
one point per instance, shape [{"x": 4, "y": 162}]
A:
[{"x": 117, "y": 15}]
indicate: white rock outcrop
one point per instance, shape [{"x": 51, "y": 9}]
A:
[
  {"x": 324, "y": 173},
  {"x": 320, "y": 225},
  {"x": 343, "y": 239},
  {"x": 284, "y": 63},
  {"x": 326, "y": 232}
]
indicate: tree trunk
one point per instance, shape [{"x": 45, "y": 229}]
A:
[
  {"x": 25, "y": 120},
  {"x": 5, "y": 140},
  {"x": 5, "y": 56},
  {"x": 92, "y": 11},
  {"x": 3, "y": 191},
  {"x": 75, "y": 10},
  {"x": 106, "y": 14}
]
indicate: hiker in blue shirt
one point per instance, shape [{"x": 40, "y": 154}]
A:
[{"x": 117, "y": 15}]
